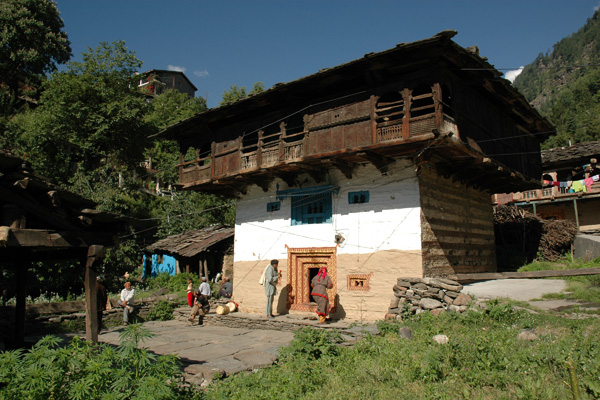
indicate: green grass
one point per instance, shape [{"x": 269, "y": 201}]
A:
[
  {"x": 484, "y": 359},
  {"x": 582, "y": 288}
]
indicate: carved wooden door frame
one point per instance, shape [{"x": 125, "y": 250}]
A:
[{"x": 300, "y": 261}]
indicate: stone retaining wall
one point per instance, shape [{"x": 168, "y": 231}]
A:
[{"x": 417, "y": 295}]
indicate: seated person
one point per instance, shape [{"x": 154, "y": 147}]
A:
[
  {"x": 126, "y": 301},
  {"x": 226, "y": 289},
  {"x": 200, "y": 308}
]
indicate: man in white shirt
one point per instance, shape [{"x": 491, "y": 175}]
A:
[
  {"x": 204, "y": 288},
  {"x": 126, "y": 302}
]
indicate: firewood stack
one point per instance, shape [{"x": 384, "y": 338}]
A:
[{"x": 518, "y": 230}]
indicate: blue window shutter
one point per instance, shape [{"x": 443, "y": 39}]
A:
[{"x": 312, "y": 209}]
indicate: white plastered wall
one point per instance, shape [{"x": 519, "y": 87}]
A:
[{"x": 381, "y": 238}]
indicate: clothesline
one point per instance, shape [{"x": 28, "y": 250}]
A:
[{"x": 581, "y": 185}]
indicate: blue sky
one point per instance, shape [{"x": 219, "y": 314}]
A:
[{"x": 220, "y": 43}]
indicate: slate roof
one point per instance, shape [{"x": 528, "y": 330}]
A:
[
  {"x": 191, "y": 243},
  {"x": 577, "y": 154}
]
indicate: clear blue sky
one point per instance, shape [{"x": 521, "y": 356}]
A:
[{"x": 220, "y": 43}]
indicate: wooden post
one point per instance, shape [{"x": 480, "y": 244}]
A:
[
  {"x": 21, "y": 272},
  {"x": 406, "y": 94},
  {"x": 576, "y": 213},
  {"x": 94, "y": 256},
  {"x": 205, "y": 265}
]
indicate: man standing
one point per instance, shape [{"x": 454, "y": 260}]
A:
[
  {"x": 205, "y": 288},
  {"x": 271, "y": 279},
  {"x": 126, "y": 301}
]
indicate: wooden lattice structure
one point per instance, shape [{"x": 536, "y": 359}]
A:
[{"x": 41, "y": 222}]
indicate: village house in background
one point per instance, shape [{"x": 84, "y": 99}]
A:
[
  {"x": 379, "y": 168},
  {"x": 156, "y": 81},
  {"x": 204, "y": 252},
  {"x": 559, "y": 198}
]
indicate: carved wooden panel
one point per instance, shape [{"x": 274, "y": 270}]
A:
[{"x": 303, "y": 264}]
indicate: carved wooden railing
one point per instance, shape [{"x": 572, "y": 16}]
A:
[{"x": 278, "y": 147}]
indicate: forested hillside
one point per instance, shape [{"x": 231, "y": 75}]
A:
[{"x": 564, "y": 85}]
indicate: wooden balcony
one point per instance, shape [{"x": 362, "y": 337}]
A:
[
  {"x": 553, "y": 193},
  {"x": 357, "y": 141}
]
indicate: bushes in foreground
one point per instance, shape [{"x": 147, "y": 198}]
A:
[{"x": 81, "y": 370}]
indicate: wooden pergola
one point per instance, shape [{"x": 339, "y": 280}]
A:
[{"x": 42, "y": 222}]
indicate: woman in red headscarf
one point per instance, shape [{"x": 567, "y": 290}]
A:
[{"x": 320, "y": 283}]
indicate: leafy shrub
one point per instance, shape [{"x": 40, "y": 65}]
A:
[
  {"x": 174, "y": 283},
  {"x": 82, "y": 370},
  {"x": 162, "y": 311},
  {"x": 501, "y": 311},
  {"x": 313, "y": 344}
]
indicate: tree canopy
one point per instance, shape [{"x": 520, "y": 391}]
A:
[
  {"x": 166, "y": 109},
  {"x": 565, "y": 86},
  {"x": 32, "y": 43},
  {"x": 90, "y": 116},
  {"x": 239, "y": 92}
]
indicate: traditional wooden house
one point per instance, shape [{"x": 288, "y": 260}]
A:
[
  {"x": 156, "y": 81},
  {"x": 42, "y": 222},
  {"x": 205, "y": 252},
  {"x": 558, "y": 198},
  {"x": 379, "y": 168}
]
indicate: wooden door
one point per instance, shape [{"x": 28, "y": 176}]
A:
[{"x": 303, "y": 265}]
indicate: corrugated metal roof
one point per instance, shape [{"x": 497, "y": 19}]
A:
[{"x": 191, "y": 243}]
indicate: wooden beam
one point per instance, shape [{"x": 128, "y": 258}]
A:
[
  {"x": 344, "y": 167},
  {"x": 380, "y": 162},
  {"x": 94, "y": 257},
  {"x": 486, "y": 276},
  {"x": 42, "y": 238}
]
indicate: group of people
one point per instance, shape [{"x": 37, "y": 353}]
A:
[
  {"x": 199, "y": 299},
  {"x": 319, "y": 285}
]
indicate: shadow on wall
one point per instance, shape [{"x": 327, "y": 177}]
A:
[
  {"x": 282, "y": 303},
  {"x": 339, "y": 312}
]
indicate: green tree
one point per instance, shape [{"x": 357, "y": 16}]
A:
[
  {"x": 167, "y": 109},
  {"x": 91, "y": 117},
  {"x": 191, "y": 210},
  {"x": 236, "y": 93},
  {"x": 32, "y": 43}
]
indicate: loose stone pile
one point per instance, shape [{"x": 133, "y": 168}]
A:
[{"x": 417, "y": 295}]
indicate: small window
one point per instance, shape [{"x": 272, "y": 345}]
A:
[
  {"x": 273, "y": 206},
  {"x": 315, "y": 209},
  {"x": 359, "y": 282},
  {"x": 358, "y": 197}
]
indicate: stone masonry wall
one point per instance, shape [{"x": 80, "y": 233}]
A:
[{"x": 417, "y": 295}]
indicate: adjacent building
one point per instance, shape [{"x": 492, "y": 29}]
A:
[
  {"x": 156, "y": 81},
  {"x": 564, "y": 194},
  {"x": 379, "y": 168}
]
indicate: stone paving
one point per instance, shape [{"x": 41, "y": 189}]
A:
[{"x": 226, "y": 344}]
